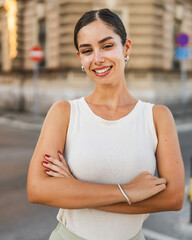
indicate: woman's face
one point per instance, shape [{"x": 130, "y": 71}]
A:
[{"x": 101, "y": 52}]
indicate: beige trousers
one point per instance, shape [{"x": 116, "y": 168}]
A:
[{"x": 62, "y": 233}]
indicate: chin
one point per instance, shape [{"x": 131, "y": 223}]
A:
[{"x": 104, "y": 82}]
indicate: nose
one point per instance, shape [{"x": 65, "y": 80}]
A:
[{"x": 98, "y": 57}]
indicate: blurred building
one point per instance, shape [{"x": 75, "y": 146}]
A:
[{"x": 152, "y": 74}]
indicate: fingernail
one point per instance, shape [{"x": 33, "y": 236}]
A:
[
  {"x": 47, "y": 170},
  {"x": 59, "y": 152},
  {"x": 45, "y": 162},
  {"x": 46, "y": 155}
]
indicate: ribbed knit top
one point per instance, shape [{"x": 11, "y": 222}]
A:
[{"x": 108, "y": 152}]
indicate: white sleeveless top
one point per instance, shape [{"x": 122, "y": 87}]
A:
[{"x": 108, "y": 152}]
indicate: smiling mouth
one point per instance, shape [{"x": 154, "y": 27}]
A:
[{"x": 103, "y": 70}]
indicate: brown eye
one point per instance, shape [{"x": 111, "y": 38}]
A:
[
  {"x": 108, "y": 46},
  {"x": 86, "y": 51}
]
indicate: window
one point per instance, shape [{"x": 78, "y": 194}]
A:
[{"x": 42, "y": 39}]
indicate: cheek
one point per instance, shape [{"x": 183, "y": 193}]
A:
[
  {"x": 118, "y": 58},
  {"x": 116, "y": 55},
  {"x": 85, "y": 61}
]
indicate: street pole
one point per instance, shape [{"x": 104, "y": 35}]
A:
[
  {"x": 182, "y": 53},
  {"x": 36, "y": 92},
  {"x": 183, "y": 84},
  {"x": 36, "y": 55}
]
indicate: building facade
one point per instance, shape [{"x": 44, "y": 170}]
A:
[{"x": 152, "y": 74}]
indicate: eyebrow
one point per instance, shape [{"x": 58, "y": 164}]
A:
[
  {"x": 105, "y": 39},
  {"x": 101, "y": 41}
]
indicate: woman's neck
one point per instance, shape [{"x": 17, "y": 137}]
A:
[{"x": 111, "y": 96}]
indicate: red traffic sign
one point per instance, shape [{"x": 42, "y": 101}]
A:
[
  {"x": 182, "y": 39},
  {"x": 36, "y": 54}
]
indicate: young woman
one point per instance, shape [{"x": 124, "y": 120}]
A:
[{"x": 111, "y": 142}]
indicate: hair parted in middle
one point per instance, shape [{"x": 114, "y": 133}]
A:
[{"x": 108, "y": 17}]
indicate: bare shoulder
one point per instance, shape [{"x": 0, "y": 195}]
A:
[
  {"x": 163, "y": 118},
  {"x": 60, "y": 107},
  {"x": 161, "y": 111},
  {"x": 58, "y": 114}
]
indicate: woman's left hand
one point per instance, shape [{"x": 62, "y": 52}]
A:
[{"x": 57, "y": 167}]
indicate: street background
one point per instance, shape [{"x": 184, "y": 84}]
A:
[{"x": 39, "y": 66}]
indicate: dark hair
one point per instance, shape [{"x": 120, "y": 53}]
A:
[{"x": 108, "y": 17}]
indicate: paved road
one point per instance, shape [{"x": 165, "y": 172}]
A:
[
  {"x": 20, "y": 220},
  {"x": 176, "y": 224}
]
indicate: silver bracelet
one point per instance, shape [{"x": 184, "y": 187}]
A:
[{"x": 128, "y": 200}]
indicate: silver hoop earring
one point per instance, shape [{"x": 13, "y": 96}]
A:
[
  {"x": 82, "y": 69},
  {"x": 126, "y": 58}
]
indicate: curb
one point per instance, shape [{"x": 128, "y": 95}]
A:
[
  {"x": 184, "y": 127},
  {"x": 156, "y": 236},
  {"x": 20, "y": 124}
]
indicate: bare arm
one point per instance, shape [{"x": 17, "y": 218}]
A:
[
  {"x": 62, "y": 192},
  {"x": 170, "y": 166},
  {"x": 70, "y": 192}
]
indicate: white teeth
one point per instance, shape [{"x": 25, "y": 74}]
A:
[{"x": 102, "y": 70}]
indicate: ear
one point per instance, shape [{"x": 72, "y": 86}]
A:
[
  {"x": 127, "y": 47},
  {"x": 78, "y": 55}
]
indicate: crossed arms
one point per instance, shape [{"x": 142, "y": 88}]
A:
[{"x": 59, "y": 188}]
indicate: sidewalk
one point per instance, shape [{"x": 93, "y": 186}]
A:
[
  {"x": 22, "y": 120},
  {"x": 29, "y": 122}
]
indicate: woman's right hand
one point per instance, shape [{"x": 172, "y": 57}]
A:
[
  {"x": 144, "y": 186},
  {"x": 57, "y": 167}
]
